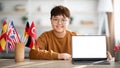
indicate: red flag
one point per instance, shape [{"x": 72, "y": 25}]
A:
[{"x": 32, "y": 31}]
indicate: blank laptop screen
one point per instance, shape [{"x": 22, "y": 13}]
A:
[{"x": 88, "y": 47}]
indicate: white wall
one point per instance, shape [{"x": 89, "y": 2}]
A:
[
  {"x": 117, "y": 20},
  {"x": 81, "y": 10}
]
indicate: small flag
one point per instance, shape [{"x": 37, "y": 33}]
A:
[
  {"x": 30, "y": 43},
  {"x": 12, "y": 32},
  {"x": 4, "y": 28},
  {"x": 3, "y": 41},
  {"x": 3, "y": 36},
  {"x": 12, "y": 36},
  {"x": 10, "y": 44},
  {"x": 32, "y": 31},
  {"x": 26, "y": 30}
]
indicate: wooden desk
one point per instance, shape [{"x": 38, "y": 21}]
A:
[{"x": 10, "y": 63}]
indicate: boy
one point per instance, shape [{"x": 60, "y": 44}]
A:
[{"x": 56, "y": 43}]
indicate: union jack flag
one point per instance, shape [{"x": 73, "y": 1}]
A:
[
  {"x": 10, "y": 43},
  {"x": 12, "y": 36}
]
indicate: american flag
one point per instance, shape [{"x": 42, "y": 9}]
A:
[
  {"x": 10, "y": 43},
  {"x": 12, "y": 36}
]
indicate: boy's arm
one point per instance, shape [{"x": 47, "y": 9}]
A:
[{"x": 43, "y": 54}]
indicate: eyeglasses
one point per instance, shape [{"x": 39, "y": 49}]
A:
[{"x": 63, "y": 21}]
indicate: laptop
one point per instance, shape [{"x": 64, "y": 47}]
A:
[{"x": 89, "y": 49}]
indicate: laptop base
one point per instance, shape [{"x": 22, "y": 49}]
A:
[{"x": 102, "y": 62}]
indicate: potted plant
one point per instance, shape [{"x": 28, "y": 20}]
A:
[
  {"x": 71, "y": 20},
  {"x": 117, "y": 52},
  {"x": 24, "y": 19}
]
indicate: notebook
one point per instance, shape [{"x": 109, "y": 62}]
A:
[{"x": 89, "y": 49}]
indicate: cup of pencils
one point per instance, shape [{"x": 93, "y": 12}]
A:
[{"x": 19, "y": 52}]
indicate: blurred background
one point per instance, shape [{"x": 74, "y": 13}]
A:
[
  {"x": 88, "y": 17},
  {"x": 84, "y": 15}
]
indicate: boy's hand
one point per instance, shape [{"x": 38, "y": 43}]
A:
[
  {"x": 109, "y": 56},
  {"x": 64, "y": 56}
]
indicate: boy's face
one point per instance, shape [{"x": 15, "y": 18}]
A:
[{"x": 59, "y": 23}]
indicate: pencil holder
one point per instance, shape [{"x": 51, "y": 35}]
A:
[{"x": 19, "y": 52}]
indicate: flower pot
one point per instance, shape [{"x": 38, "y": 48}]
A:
[{"x": 116, "y": 56}]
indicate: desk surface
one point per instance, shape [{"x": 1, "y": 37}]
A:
[{"x": 10, "y": 63}]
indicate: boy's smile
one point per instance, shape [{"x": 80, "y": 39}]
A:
[{"x": 59, "y": 23}]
